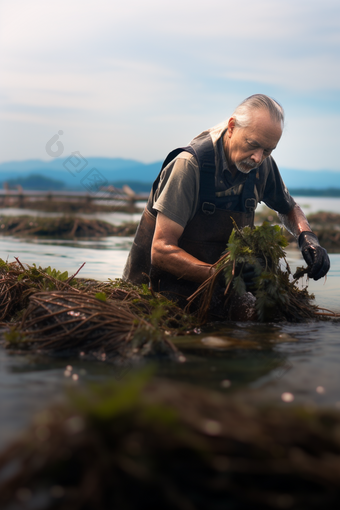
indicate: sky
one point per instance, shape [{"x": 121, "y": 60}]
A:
[{"x": 136, "y": 79}]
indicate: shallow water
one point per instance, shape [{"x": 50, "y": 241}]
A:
[
  {"x": 266, "y": 361},
  {"x": 104, "y": 258}
]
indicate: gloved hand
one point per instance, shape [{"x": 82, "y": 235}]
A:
[
  {"x": 315, "y": 256},
  {"x": 250, "y": 272}
]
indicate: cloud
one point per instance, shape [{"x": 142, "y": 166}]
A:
[
  {"x": 310, "y": 142},
  {"x": 152, "y": 74}
]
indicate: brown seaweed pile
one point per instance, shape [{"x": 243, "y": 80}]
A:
[
  {"x": 149, "y": 445},
  {"x": 70, "y": 321},
  {"x": 18, "y": 282},
  {"x": 52, "y": 312},
  {"x": 88, "y": 204},
  {"x": 63, "y": 227}
]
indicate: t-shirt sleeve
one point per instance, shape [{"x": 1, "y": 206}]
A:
[
  {"x": 275, "y": 194},
  {"x": 176, "y": 195}
]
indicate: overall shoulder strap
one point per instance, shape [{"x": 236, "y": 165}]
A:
[
  {"x": 203, "y": 150},
  {"x": 248, "y": 195},
  {"x": 168, "y": 160},
  {"x": 205, "y": 155}
]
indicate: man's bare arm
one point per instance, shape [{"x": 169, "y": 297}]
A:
[
  {"x": 166, "y": 254},
  {"x": 295, "y": 221}
]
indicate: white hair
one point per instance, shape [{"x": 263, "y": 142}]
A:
[
  {"x": 242, "y": 116},
  {"x": 243, "y": 113}
]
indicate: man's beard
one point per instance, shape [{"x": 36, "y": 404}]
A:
[{"x": 246, "y": 165}]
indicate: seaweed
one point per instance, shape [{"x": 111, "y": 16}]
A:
[
  {"x": 48, "y": 311},
  {"x": 54, "y": 312},
  {"x": 275, "y": 289},
  {"x": 18, "y": 282},
  {"x": 65, "y": 227},
  {"x": 70, "y": 322}
]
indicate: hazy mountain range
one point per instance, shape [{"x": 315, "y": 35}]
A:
[{"x": 74, "y": 171}]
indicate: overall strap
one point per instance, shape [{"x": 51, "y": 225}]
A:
[
  {"x": 168, "y": 160},
  {"x": 249, "y": 202},
  {"x": 205, "y": 155},
  {"x": 204, "y": 152}
]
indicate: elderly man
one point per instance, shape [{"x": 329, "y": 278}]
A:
[{"x": 221, "y": 175}]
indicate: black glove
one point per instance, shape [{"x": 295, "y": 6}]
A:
[
  {"x": 315, "y": 256},
  {"x": 250, "y": 272}
]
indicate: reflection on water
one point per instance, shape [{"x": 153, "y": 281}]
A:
[{"x": 230, "y": 355}]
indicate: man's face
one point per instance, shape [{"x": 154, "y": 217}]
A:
[{"x": 248, "y": 147}]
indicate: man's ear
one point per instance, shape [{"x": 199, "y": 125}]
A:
[{"x": 231, "y": 126}]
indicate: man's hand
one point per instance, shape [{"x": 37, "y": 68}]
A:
[
  {"x": 315, "y": 256},
  {"x": 250, "y": 272}
]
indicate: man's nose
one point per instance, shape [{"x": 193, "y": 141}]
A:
[{"x": 257, "y": 155}]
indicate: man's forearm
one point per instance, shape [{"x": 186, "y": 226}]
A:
[
  {"x": 178, "y": 262},
  {"x": 295, "y": 221}
]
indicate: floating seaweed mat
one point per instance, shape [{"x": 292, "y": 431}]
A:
[
  {"x": 138, "y": 445},
  {"x": 73, "y": 321},
  {"x": 76, "y": 206},
  {"x": 69, "y": 227}
]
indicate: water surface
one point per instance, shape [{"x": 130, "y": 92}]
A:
[{"x": 266, "y": 361}]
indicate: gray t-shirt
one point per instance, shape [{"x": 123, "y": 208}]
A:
[{"x": 177, "y": 195}]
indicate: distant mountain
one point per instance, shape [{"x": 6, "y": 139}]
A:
[
  {"x": 74, "y": 170},
  {"x": 36, "y": 182}
]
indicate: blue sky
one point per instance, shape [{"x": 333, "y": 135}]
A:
[{"x": 135, "y": 79}]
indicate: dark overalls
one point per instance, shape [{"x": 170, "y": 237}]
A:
[{"x": 205, "y": 236}]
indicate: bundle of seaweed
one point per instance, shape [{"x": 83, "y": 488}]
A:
[
  {"x": 52, "y": 312},
  {"x": 18, "y": 282},
  {"x": 63, "y": 227},
  {"x": 277, "y": 295},
  {"x": 151, "y": 306},
  {"x": 170, "y": 446},
  {"x": 73, "y": 322},
  {"x": 12, "y": 291}
]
